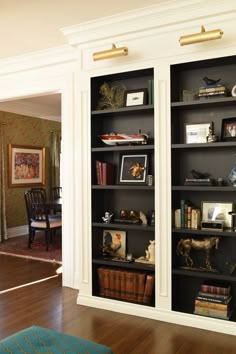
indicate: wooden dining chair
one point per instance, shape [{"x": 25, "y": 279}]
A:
[
  {"x": 56, "y": 192},
  {"x": 40, "y": 189},
  {"x": 39, "y": 218}
]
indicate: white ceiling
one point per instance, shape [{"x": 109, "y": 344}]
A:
[{"x": 32, "y": 25}]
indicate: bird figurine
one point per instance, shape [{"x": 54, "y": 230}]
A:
[
  {"x": 209, "y": 81},
  {"x": 197, "y": 174}
]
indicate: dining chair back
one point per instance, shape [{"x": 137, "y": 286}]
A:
[
  {"x": 39, "y": 217},
  {"x": 40, "y": 189},
  {"x": 56, "y": 192}
]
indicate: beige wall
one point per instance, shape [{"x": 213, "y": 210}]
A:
[{"x": 27, "y": 131}]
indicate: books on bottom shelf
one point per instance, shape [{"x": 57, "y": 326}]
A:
[
  {"x": 214, "y": 300},
  {"x": 125, "y": 285}
]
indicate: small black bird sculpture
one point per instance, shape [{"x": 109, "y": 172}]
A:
[
  {"x": 198, "y": 174},
  {"x": 209, "y": 81}
]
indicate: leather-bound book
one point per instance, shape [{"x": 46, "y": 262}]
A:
[
  {"x": 117, "y": 284},
  {"x": 148, "y": 289},
  {"x": 100, "y": 280},
  {"x": 123, "y": 285},
  {"x": 112, "y": 283},
  {"x": 130, "y": 286},
  {"x": 107, "y": 173},
  {"x": 140, "y": 287},
  {"x": 99, "y": 172},
  {"x": 106, "y": 277}
]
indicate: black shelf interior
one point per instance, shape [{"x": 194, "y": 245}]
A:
[
  {"x": 217, "y": 159},
  {"x": 121, "y": 196}
]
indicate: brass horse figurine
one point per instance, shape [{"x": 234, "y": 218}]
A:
[{"x": 185, "y": 246}]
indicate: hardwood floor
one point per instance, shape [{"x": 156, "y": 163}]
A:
[{"x": 49, "y": 305}]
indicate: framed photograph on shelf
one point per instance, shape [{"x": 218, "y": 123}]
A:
[
  {"x": 133, "y": 169},
  {"x": 196, "y": 133},
  {"x": 114, "y": 243},
  {"x": 26, "y": 166},
  {"x": 228, "y": 129},
  {"x": 217, "y": 211},
  {"x": 136, "y": 97}
]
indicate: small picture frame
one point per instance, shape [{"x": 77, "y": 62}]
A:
[
  {"x": 133, "y": 169},
  {"x": 228, "y": 129},
  {"x": 136, "y": 97},
  {"x": 217, "y": 211},
  {"x": 114, "y": 243},
  {"x": 196, "y": 133}
]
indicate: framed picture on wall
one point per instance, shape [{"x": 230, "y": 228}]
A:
[{"x": 26, "y": 165}]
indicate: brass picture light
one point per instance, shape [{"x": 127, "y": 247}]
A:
[
  {"x": 111, "y": 53},
  {"x": 201, "y": 36}
]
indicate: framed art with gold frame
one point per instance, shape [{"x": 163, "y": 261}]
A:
[{"x": 26, "y": 165}]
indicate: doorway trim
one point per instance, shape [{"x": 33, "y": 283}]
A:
[{"x": 42, "y": 81}]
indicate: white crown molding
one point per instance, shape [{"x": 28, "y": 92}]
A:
[
  {"x": 152, "y": 17},
  {"x": 35, "y": 60}
]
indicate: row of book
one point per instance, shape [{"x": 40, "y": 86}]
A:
[
  {"x": 105, "y": 173},
  {"x": 125, "y": 285},
  {"x": 187, "y": 216},
  {"x": 212, "y": 90},
  {"x": 214, "y": 300}
]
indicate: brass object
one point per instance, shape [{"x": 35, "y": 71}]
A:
[
  {"x": 185, "y": 246},
  {"x": 201, "y": 36},
  {"x": 111, "y": 53},
  {"x": 111, "y": 97}
]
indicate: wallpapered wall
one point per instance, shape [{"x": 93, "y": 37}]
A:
[{"x": 27, "y": 131}]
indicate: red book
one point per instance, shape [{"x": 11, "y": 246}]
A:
[
  {"x": 99, "y": 172},
  {"x": 107, "y": 173},
  {"x": 219, "y": 288}
]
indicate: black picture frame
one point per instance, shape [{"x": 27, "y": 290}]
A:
[
  {"x": 137, "y": 97},
  {"x": 228, "y": 129},
  {"x": 133, "y": 169}
]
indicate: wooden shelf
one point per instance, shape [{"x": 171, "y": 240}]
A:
[
  {"x": 204, "y": 102},
  {"x": 227, "y": 232},
  {"x": 204, "y": 188},
  {"x": 123, "y": 110},
  {"x": 132, "y": 265},
  {"x": 120, "y": 186},
  {"x": 220, "y": 144},
  {"x": 204, "y": 275},
  {"x": 123, "y": 148},
  {"x": 124, "y": 226}
]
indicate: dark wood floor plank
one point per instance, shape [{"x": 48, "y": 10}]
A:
[
  {"x": 16, "y": 271},
  {"x": 49, "y": 305}
]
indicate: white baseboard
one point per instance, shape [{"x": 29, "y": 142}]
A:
[{"x": 17, "y": 231}]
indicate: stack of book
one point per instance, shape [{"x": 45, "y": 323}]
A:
[
  {"x": 214, "y": 300},
  {"x": 125, "y": 285},
  {"x": 199, "y": 182},
  {"x": 214, "y": 90},
  {"x": 104, "y": 173},
  {"x": 187, "y": 216}
]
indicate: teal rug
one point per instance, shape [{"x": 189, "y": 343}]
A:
[{"x": 42, "y": 340}]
